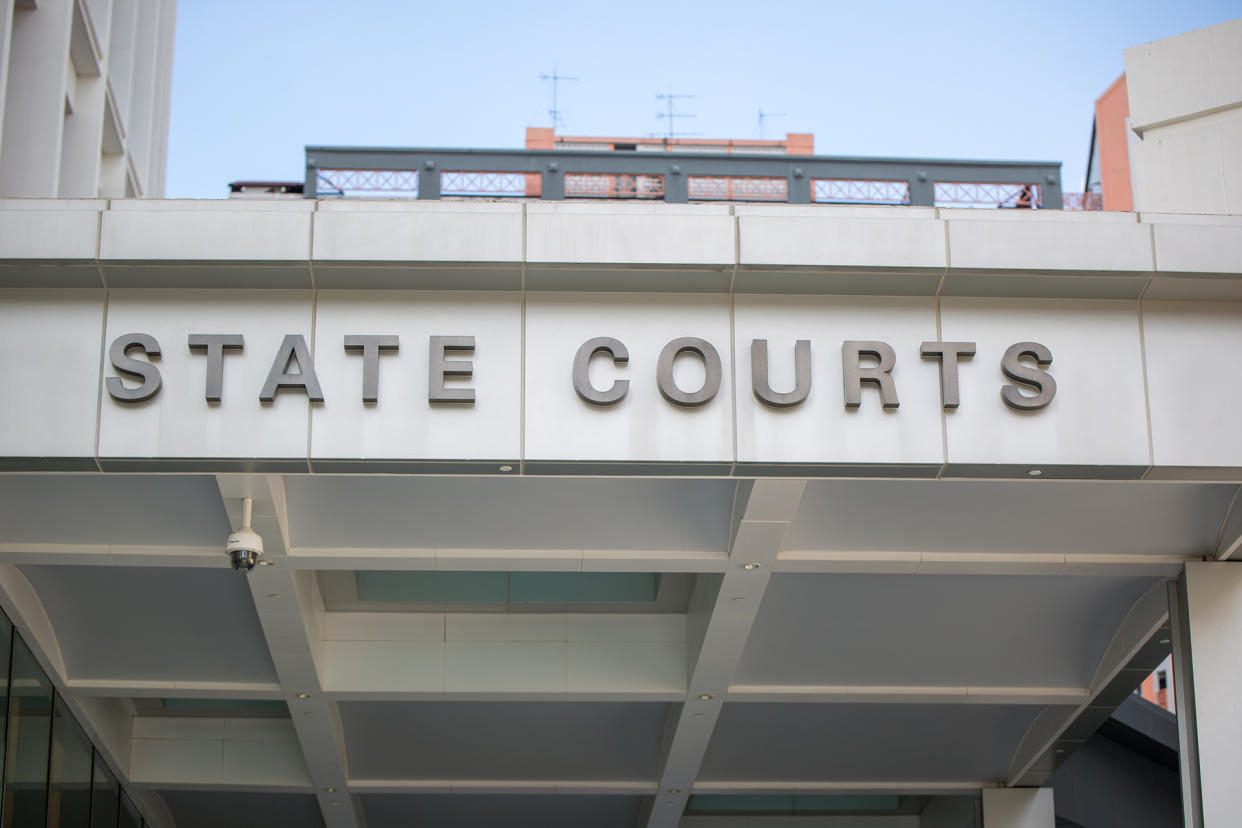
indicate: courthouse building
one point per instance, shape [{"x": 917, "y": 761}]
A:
[{"x": 624, "y": 498}]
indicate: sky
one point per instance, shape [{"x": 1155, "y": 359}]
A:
[{"x": 256, "y": 81}]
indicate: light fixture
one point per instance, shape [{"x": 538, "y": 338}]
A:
[
  {"x": 267, "y": 563},
  {"x": 705, "y": 697},
  {"x": 304, "y": 695},
  {"x": 506, "y": 468},
  {"x": 1164, "y": 641},
  {"x": 750, "y": 566},
  {"x": 674, "y": 790},
  {"x": 330, "y": 790},
  {"x": 273, "y": 595},
  {"x": 1034, "y": 472}
]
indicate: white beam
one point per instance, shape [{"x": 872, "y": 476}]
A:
[
  {"x": 147, "y": 689},
  {"x": 917, "y": 694},
  {"x": 603, "y": 787},
  {"x": 291, "y": 613},
  {"x": 217, "y": 753},
  {"x": 722, "y": 612},
  {"x": 1147, "y": 615},
  {"x": 890, "y": 562},
  {"x": 786, "y": 787}
]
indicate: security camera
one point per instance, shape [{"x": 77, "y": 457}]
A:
[{"x": 244, "y": 546}]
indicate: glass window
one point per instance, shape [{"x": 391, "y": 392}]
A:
[
  {"x": 129, "y": 814},
  {"x": 69, "y": 795},
  {"x": 105, "y": 796},
  {"x": 27, "y": 742}
]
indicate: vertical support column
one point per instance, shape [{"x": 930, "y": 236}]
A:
[
  {"x": 553, "y": 183},
  {"x": 310, "y": 186},
  {"x": 798, "y": 186},
  {"x": 676, "y": 185},
  {"x": 1210, "y": 644},
  {"x": 34, "y": 106},
  {"x": 1050, "y": 191},
  {"x": 922, "y": 190},
  {"x": 1018, "y": 808},
  {"x": 429, "y": 180}
]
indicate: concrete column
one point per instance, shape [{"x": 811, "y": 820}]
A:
[
  {"x": 1018, "y": 808},
  {"x": 34, "y": 107},
  {"x": 1213, "y": 638}
]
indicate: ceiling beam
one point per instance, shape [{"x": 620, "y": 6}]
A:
[
  {"x": 722, "y": 612},
  {"x": 1134, "y": 649},
  {"x": 897, "y": 562},
  {"x": 917, "y": 694},
  {"x": 291, "y": 611}
]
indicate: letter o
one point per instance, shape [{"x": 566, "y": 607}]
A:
[{"x": 664, "y": 372}]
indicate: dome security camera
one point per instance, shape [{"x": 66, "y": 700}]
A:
[{"x": 244, "y": 546}]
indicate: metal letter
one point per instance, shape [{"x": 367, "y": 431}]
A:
[
  {"x": 759, "y": 374},
  {"x": 292, "y": 351},
  {"x": 881, "y": 375},
  {"x": 370, "y": 348},
  {"x": 118, "y": 355},
  {"x": 440, "y": 368},
  {"x": 948, "y": 353},
  {"x": 711, "y": 364},
  {"x": 215, "y": 345},
  {"x": 1016, "y": 371},
  {"x": 582, "y": 364}
]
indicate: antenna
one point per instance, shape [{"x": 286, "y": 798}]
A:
[
  {"x": 556, "y": 79},
  {"x": 670, "y": 115},
  {"x": 763, "y": 116}
]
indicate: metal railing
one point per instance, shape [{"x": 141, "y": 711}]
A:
[{"x": 678, "y": 177}]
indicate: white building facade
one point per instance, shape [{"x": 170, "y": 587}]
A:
[{"x": 84, "y": 95}]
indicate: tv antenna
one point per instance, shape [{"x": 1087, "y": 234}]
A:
[
  {"x": 764, "y": 116},
  {"x": 556, "y": 79},
  {"x": 670, "y": 116}
]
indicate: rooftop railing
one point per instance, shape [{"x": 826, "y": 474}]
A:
[{"x": 678, "y": 177}]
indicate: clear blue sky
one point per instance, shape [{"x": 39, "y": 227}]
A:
[{"x": 256, "y": 81}]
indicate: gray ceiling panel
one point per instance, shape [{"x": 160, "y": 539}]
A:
[
  {"x": 112, "y": 509},
  {"x": 238, "y": 809},
  {"x": 514, "y": 513},
  {"x": 979, "y": 630},
  {"x": 1010, "y": 516},
  {"x": 503, "y": 740},
  {"x": 864, "y": 742},
  {"x": 124, "y": 622},
  {"x": 503, "y": 811}
]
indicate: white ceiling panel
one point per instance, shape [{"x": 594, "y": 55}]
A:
[
  {"x": 184, "y": 624},
  {"x": 496, "y": 740},
  {"x": 178, "y": 510},
  {"x": 509, "y": 513},
  {"x": 979, "y": 630},
  {"x": 1094, "y": 517},
  {"x": 864, "y": 743}
]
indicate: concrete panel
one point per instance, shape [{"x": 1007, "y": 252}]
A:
[
  {"x": 1098, "y": 415},
  {"x": 1193, "y": 382},
  {"x": 29, "y": 230},
  {"x": 243, "y": 233},
  {"x": 1070, "y": 245},
  {"x": 624, "y": 234},
  {"x": 403, "y": 424},
  {"x": 1210, "y": 248},
  {"x": 883, "y": 243},
  {"x": 1180, "y": 167},
  {"x": 1186, "y": 74},
  {"x": 54, "y": 337},
  {"x": 405, "y": 231},
  {"x": 822, "y": 429},
  {"x": 179, "y": 422},
  {"x": 643, "y": 425}
]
